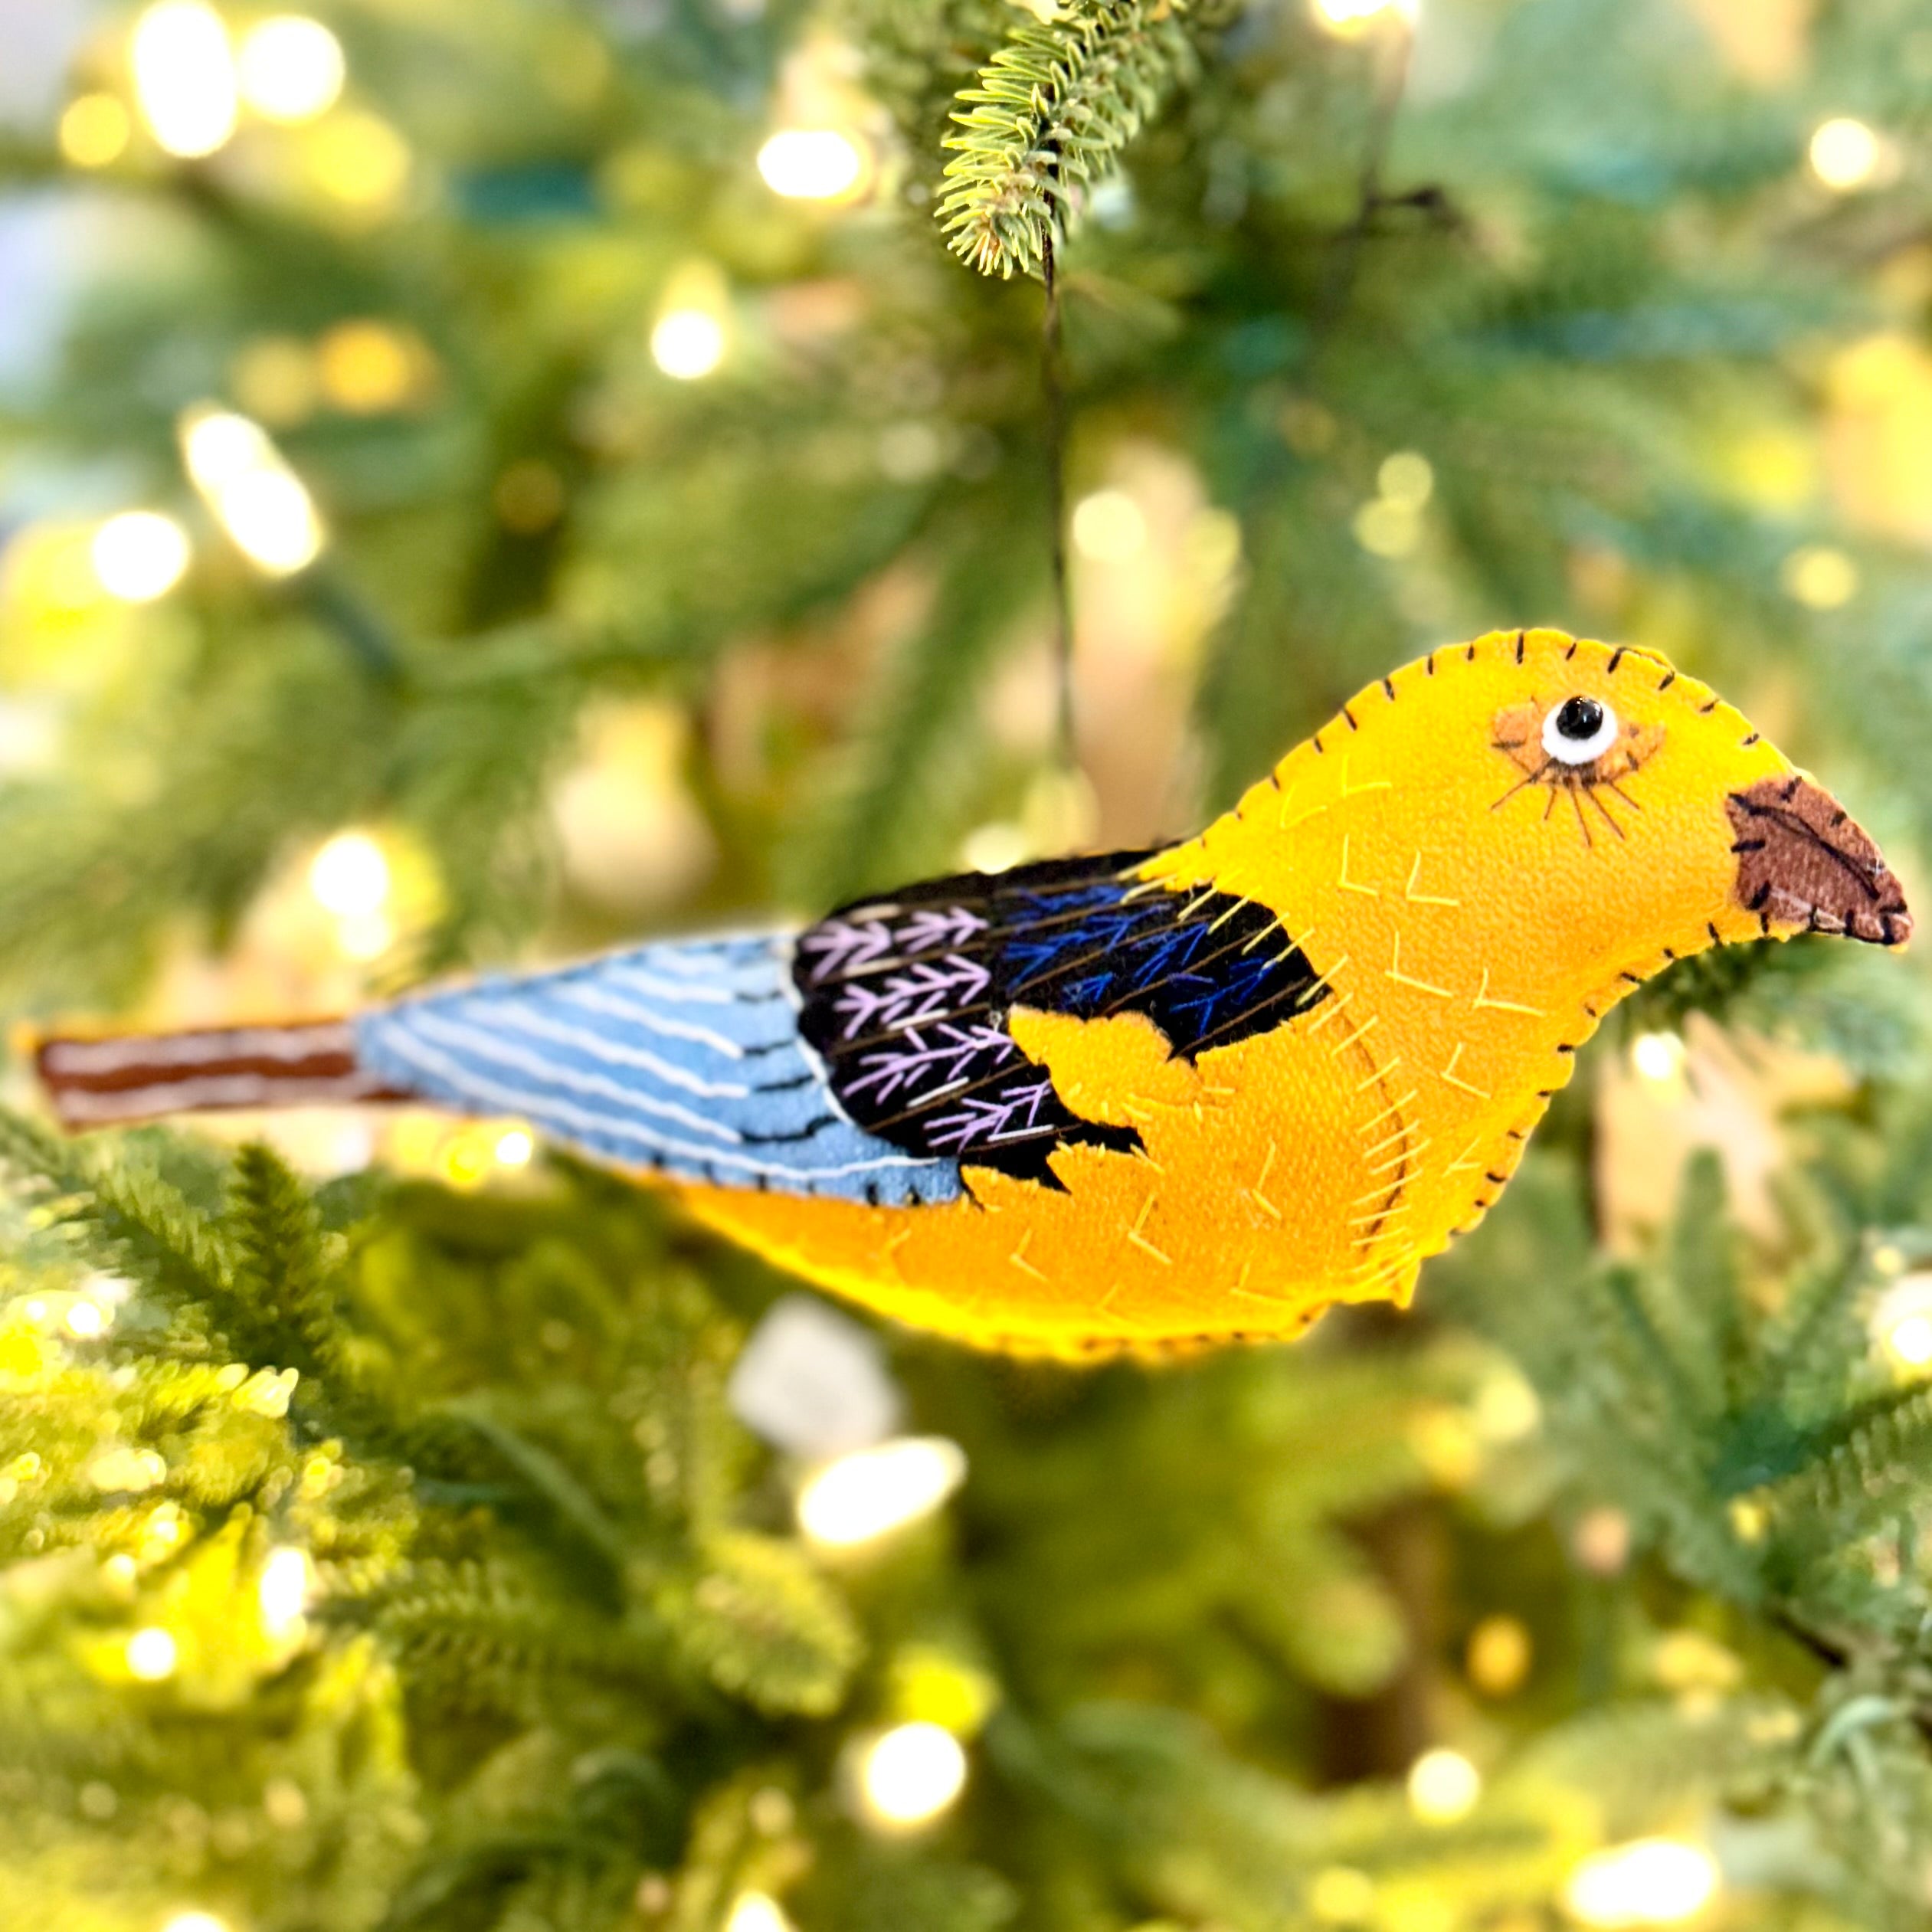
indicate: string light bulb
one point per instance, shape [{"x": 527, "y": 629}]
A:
[
  {"x": 140, "y": 555},
  {"x": 757, "y": 1911},
  {"x": 860, "y": 1497},
  {"x": 909, "y": 1775},
  {"x": 152, "y": 1653},
  {"x": 261, "y": 503},
  {"x": 1443, "y": 1786},
  {"x": 1346, "y": 18},
  {"x": 290, "y": 68},
  {"x": 1649, "y": 1881},
  {"x": 687, "y": 344},
  {"x": 94, "y": 130},
  {"x": 812, "y": 164},
  {"x": 184, "y": 77},
  {"x": 282, "y": 1591},
  {"x": 1901, "y": 1324},
  {"x": 1845, "y": 154}
]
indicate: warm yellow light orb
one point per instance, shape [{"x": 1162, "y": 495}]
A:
[
  {"x": 273, "y": 520},
  {"x": 1346, "y": 19},
  {"x": 1820, "y": 577},
  {"x": 1407, "y": 478},
  {"x": 515, "y": 1147},
  {"x": 195, "y": 1922},
  {"x": 811, "y": 164},
  {"x": 1443, "y": 1786},
  {"x": 1649, "y": 1881},
  {"x": 687, "y": 343},
  {"x": 910, "y": 1774},
  {"x": 1845, "y": 154},
  {"x": 756, "y": 1911},
  {"x": 86, "y": 1320},
  {"x": 184, "y": 76},
  {"x": 290, "y": 68},
  {"x": 349, "y": 876},
  {"x": 1658, "y": 1058},
  {"x": 94, "y": 130},
  {"x": 140, "y": 555},
  {"x": 872, "y": 1491},
  {"x": 283, "y": 1591},
  {"x": 152, "y": 1654},
  {"x": 1109, "y": 527}
]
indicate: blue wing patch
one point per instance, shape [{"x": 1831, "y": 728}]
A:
[{"x": 685, "y": 1057}]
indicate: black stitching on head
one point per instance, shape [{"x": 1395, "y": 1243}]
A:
[
  {"x": 1571, "y": 652},
  {"x": 1760, "y": 896},
  {"x": 1469, "y": 652},
  {"x": 1670, "y": 678},
  {"x": 1635, "y": 979},
  {"x": 1617, "y": 657},
  {"x": 1754, "y": 738},
  {"x": 1705, "y": 710},
  {"x": 1670, "y": 955},
  {"x": 1791, "y": 790},
  {"x": 1500, "y": 1179},
  {"x": 1318, "y": 745},
  {"x": 1513, "y": 1133},
  {"x": 1389, "y": 689},
  {"x": 1710, "y": 927},
  {"x": 1764, "y": 922},
  {"x": 1350, "y": 716},
  {"x": 1563, "y": 1046},
  {"x": 1429, "y": 664},
  {"x": 1519, "y": 646}
]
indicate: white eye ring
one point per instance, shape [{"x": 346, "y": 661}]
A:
[{"x": 1579, "y": 731}]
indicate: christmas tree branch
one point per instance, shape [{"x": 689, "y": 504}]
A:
[{"x": 1048, "y": 114}]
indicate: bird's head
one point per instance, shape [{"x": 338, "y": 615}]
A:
[{"x": 1596, "y": 813}]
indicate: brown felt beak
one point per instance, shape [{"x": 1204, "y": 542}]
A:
[{"x": 1803, "y": 861}]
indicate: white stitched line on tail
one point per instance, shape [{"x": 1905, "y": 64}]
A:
[
  {"x": 561, "y": 1116},
  {"x": 611, "y": 1053},
  {"x": 300, "y": 1043},
  {"x": 476, "y": 1040},
  {"x": 594, "y": 1000}
]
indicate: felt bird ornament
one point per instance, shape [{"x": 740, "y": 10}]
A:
[{"x": 1151, "y": 1099}]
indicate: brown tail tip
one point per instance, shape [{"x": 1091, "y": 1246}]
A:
[{"x": 123, "y": 1077}]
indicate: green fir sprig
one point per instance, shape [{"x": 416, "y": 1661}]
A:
[{"x": 1048, "y": 114}]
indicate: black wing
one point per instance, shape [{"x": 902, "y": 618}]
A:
[{"x": 905, "y": 999}]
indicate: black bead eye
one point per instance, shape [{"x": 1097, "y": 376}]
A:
[{"x": 1579, "y": 731}]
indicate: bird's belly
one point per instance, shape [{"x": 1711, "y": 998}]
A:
[{"x": 1275, "y": 1181}]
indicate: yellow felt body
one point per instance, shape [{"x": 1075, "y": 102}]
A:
[{"x": 1472, "y": 925}]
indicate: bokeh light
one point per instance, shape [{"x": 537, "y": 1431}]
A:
[
  {"x": 94, "y": 130},
  {"x": 687, "y": 343},
  {"x": 812, "y": 164},
  {"x": 349, "y": 876},
  {"x": 1348, "y": 18},
  {"x": 184, "y": 76},
  {"x": 1443, "y": 1786},
  {"x": 283, "y": 1591},
  {"x": 1108, "y": 526},
  {"x": 1658, "y": 1058},
  {"x": 195, "y": 1922},
  {"x": 1820, "y": 577},
  {"x": 1649, "y": 1881},
  {"x": 514, "y": 1147},
  {"x": 910, "y": 1774},
  {"x": 152, "y": 1654},
  {"x": 259, "y": 501},
  {"x": 757, "y": 1911},
  {"x": 1901, "y": 1324},
  {"x": 872, "y": 1491},
  {"x": 140, "y": 555},
  {"x": 1845, "y": 154},
  {"x": 290, "y": 68}
]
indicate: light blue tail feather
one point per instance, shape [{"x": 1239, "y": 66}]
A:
[{"x": 683, "y": 1056}]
